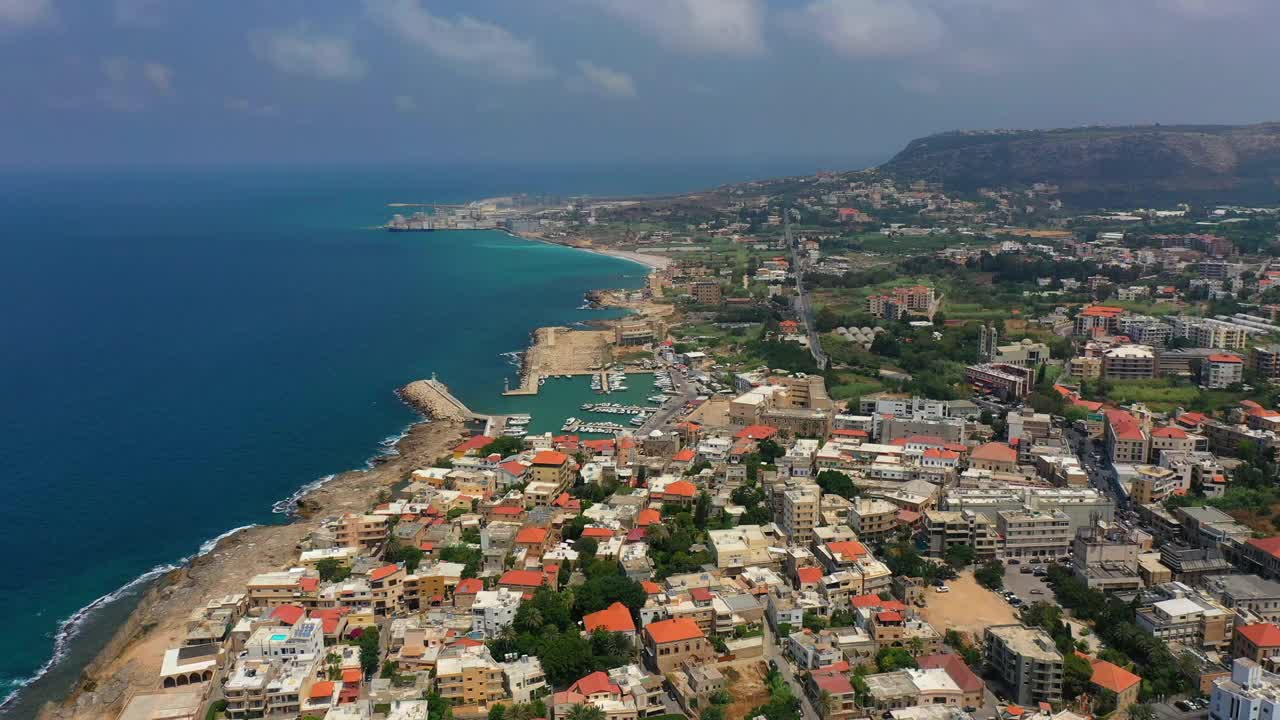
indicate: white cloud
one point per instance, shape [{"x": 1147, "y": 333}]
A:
[
  {"x": 1212, "y": 8},
  {"x": 142, "y": 13},
  {"x": 869, "y": 28},
  {"x": 301, "y": 51},
  {"x": 712, "y": 27},
  {"x": 160, "y": 77},
  {"x": 405, "y": 103},
  {"x": 25, "y": 13},
  {"x": 463, "y": 40},
  {"x": 118, "y": 94},
  {"x": 606, "y": 81},
  {"x": 241, "y": 105}
]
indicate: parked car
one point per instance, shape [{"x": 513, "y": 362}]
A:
[
  {"x": 1013, "y": 561},
  {"x": 943, "y": 589},
  {"x": 1037, "y": 591},
  {"x": 1183, "y": 705},
  {"x": 1025, "y": 570}
]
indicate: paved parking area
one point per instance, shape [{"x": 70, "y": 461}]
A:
[
  {"x": 1166, "y": 711},
  {"x": 1024, "y": 583}
]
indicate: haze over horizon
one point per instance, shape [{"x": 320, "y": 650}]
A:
[{"x": 564, "y": 82}]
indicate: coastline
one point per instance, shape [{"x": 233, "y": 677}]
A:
[
  {"x": 158, "y": 603},
  {"x": 129, "y": 663},
  {"x": 653, "y": 262}
]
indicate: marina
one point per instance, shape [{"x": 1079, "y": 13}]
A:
[{"x": 564, "y": 398}]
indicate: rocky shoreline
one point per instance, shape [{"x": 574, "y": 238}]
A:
[{"x": 130, "y": 662}]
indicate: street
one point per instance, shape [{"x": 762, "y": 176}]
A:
[
  {"x": 672, "y": 406},
  {"x": 773, "y": 653},
  {"x": 802, "y": 305}
]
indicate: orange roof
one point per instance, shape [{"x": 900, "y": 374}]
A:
[
  {"x": 532, "y": 535},
  {"x": 550, "y": 457},
  {"x": 809, "y": 575},
  {"x": 352, "y": 675},
  {"x": 674, "y": 630},
  {"x": 681, "y": 488},
  {"x": 475, "y": 442},
  {"x": 651, "y": 587},
  {"x": 1102, "y": 311},
  {"x": 523, "y": 578},
  {"x": 1270, "y": 545},
  {"x": 940, "y": 454},
  {"x": 322, "y": 689},
  {"x": 615, "y": 618},
  {"x": 514, "y": 468},
  {"x": 289, "y": 614},
  {"x": 848, "y": 550},
  {"x": 1224, "y": 358},
  {"x": 507, "y": 510},
  {"x": 329, "y": 617},
  {"x": 597, "y": 532},
  {"x": 1169, "y": 432},
  {"x": 685, "y": 455},
  {"x": 996, "y": 451},
  {"x": 468, "y": 586},
  {"x": 1110, "y": 676},
  {"x": 309, "y": 583},
  {"x": 889, "y": 616},
  {"x": 648, "y": 516},
  {"x": 1124, "y": 425},
  {"x": 756, "y": 432},
  {"x": 383, "y": 572},
  {"x": 595, "y": 683},
  {"x": 1262, "y": 635}
]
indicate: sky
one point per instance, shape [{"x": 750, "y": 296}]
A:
[{"x": 488, "y": 82}]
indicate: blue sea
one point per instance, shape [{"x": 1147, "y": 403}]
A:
[{"x": 182, "y": 349}]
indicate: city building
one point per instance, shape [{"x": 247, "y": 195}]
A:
[
  {"x": 1027, "y": 663},
  {"x": 1129, "y": 362},
  {"x": 1222, "y": 370}
]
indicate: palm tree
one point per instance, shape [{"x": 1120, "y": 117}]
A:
[
  {"x": 916, "y": 645},
  {"x": 586, "y": 712}
]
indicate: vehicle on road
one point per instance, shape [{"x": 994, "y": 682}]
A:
[
  {"x": 943, "y": 589},
  {"x": 1037, "y": 591},
  {"x": 1026, "y": 570}
]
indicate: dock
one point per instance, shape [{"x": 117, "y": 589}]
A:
[{"x": 433, "y": 398}]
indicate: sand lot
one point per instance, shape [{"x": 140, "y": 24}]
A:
[
  {"x": 745, "y": 681},
  {"x": 969, "y": 607}
]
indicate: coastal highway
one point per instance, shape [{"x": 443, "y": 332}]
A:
[{"x": 803, "y": 306}]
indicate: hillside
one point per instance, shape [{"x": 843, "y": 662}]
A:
[{"x": 1099, "y": 166}]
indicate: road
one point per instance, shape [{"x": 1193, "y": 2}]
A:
[
  {"x": 803, "y": 305},
  {"x": 672, "y": 406},
  {"x": 774, "y": 653}
]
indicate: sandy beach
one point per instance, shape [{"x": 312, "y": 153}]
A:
[{"x": 130, "y": 663}]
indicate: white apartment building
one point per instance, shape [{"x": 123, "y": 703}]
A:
[{"x": 494, "y": 610}]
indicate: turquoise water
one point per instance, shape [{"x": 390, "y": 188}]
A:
[
  {"x": 561, "y": 398},
  {"x": 183, "y": 351}
]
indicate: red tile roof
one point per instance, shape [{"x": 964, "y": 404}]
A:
[
  {"x": 1224, "y": 358},
  {"x": 960, "y": 673},
  {"x": 523, "y": 578},
  {"x": 468, "y": 586},
  {"x": 756, "y": 432},
  {"x": 940, "y": 454},
  {"x": 514, "y": 468},
  {"x": 329, "y": 617},
  {"x": 383, "y": 572},
  {"x": 1270, "y": 545},
  {"x": 615, "y": 618},
  {"x": 289, "y": 614},
  {"x": 597, "y": 532},
  {"x": 352, "y": 675},
  {"x": 550, "y": 458},
  {"x": 701, "y": 594},
  {"x": 809, "y": 575},
  {"x": 847, "y": 550},
  {"x": 995, "y": 451},
  {"x": 1169, "y": 432},
  {"x": 834, "y": 684},
  {"x": 685, "y": 455},
  {"x": 532, "y": 536},
  {"x": 1110, "y": 676},
  {"x": 1262, "y": 635},
  {"x": 648, "y": 516},
  {"x": 674, "y": 630},
  {"x": 475, "y": 442},
  {"x": 322, "y": 689},
  {"x": 889, "y": 616},
  {"x": 1124, "y": 425},
  {"x": 651, "y": 587},
  {"x": 594, "y": 684},
  {"x": 681, "y": 488}
]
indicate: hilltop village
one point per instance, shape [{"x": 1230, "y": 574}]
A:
[{"x": 923, "y": 456}]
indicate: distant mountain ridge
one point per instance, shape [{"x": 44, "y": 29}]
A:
[{"x": 1105, "y": 165}]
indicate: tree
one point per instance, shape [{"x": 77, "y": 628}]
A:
[
  {"x": 959, "y": 556},
  {"x": 834, "y": 482},
  {"x": 1076, "y": 672},
  {"x": 895, "y": 658},
  {"x": 332, "y": 570},
  {"x": 498, "y": 712},
  {"x": 990, "y": 575},
  {"x": 566, "y": 657},
  {"x": 583, "y": 711},
  {"x": 598, "y": 593},
  {"x": 770, "y": 450},
  {"x": 370, "y": 649},
  {"x": 1142, "y": 711},
  {"x": 702, "y": 510},
  {"x": 470, "y": 558},
  {"x": 715, "y": 712},
  {"x": 504, "y": 446}
]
